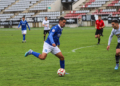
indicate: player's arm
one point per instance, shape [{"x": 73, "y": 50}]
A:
[
  {"x": 103, "y": 25},
  {"x": 19, "y": 24},
  {"x": 51, "y": 37},
  {"x": 95, "y": 25},
  {"x": 28, "y": 25},
  {"x": 110, "y": 39}
]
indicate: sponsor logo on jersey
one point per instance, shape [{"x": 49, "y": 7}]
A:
[{"x": 118, "y": 35}]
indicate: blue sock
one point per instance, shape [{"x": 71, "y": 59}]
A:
[
  {"x": 23, "y": 37},
  {"x": 62, "y": 64},
  {"x": 35, "y": 54}
]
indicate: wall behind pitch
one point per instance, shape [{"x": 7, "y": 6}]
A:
[
  {"x": 88, "y": 23},
  {"x": 56, "y": 6}
]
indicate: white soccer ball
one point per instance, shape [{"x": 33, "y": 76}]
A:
[{"x": 61, "y": 72}]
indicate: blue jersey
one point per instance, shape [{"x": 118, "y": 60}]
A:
[
  {"x": 54, "y": 35},
  {"x": 23, "y": 25}
]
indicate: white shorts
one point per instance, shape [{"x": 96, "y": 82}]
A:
[
  {"x": 24, "y": 31},
  {"x": 48, "y": 48}
]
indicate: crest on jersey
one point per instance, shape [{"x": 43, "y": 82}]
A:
[
  {"x": 53, "y": 30},
  {"x": 59, "y": 35}
]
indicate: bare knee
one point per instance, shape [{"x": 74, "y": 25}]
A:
[
  {"x": 42, "y": 57},
  {"x": 117, "y": 53},
  {"x": 99, "y": 36},
  {"x": 96, "y": 36},
  {"x": 62, "y": 58}
]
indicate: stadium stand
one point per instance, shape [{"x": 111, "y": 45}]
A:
[
  {"x": 76, "y": 14},
  {"x": 38, "y": 8},
  {"x": 43, "y": 5},
  {"x": 5, "y": 3},
  {"x": 51, "y": 15},
  {"x": 114, "y": 3},
  {"x": 3, "y": 17},
  {"x": 107, "y": 11},
  {"x": 21, "y": 5},
  {"x": 27, "y": 8},
  {"x": 117, "y": 4},
  {"x": 20, "y": 15}
]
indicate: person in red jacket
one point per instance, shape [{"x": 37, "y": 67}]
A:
[{"x": 99, "y": 25}]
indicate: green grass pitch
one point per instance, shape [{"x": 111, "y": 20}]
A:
[{"x": 89, "y": 65}]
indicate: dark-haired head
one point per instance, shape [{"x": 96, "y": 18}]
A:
[
  {"x": 46, "y": 18},
  {"x": 62, "y": 22},
  {"x": 62, "y": 18},
  {"x": 23, "y": 18},
  {"x": 115, "y": 21},
  {"x": 99, "y": 17},
  {"x": 115, "y": 24}
]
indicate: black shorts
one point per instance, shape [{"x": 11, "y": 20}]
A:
[
  {"x": 118, "y": 46},
  {"x": 98, "y": 32},
  {"x": 46, "y": 31}
]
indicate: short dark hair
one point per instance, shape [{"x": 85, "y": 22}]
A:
[
  {"x": 115, "y": 21},
  {"x": 23, "y": 16},
  {"x": 99, "y": 15},
  {"x": 45, "y": 16},
  {"x": 62, "y": 18}
]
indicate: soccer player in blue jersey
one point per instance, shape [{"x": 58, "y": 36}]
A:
[
  {"x": 23, "y": 24},
  {"x": 52, "y": 44}
]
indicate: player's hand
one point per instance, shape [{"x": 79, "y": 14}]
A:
[
  {"x": 58, "y": 46},
  {"x": 95, "y": 27},
  {"x": 54, "y": 45},
  {"x": 108, "y": 47}
]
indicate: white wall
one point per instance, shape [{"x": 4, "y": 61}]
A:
[
  {"x": 56, "y": 6},
  {"x": 1, "y": 26},
  {"x": 30, "y": 24},
  {"x": 84, "y": 23},
  {"x": 15, "y": 27},
  {"x": 71, "y": 25},
  {"x": 106, "y": 24},
  {"x": 87, "y": 23}
]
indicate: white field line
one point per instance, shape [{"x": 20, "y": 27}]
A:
[{"x": 81, "y": 48}]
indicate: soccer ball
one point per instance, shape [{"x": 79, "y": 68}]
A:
[{"x": 61, "y": 72}]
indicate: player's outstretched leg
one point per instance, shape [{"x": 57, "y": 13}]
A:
[{"x": 38, "y": 55}]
